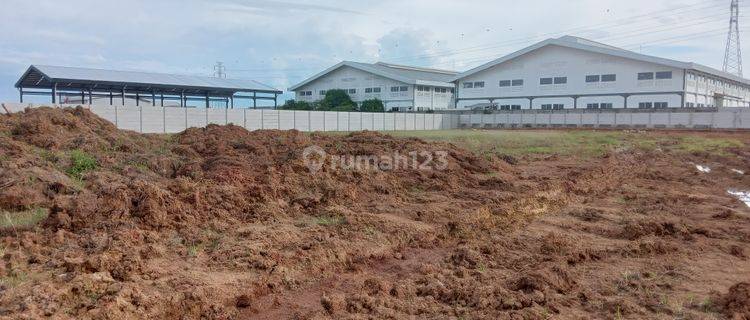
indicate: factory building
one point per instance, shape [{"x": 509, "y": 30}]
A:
[
  {"x": 571, "y": 72},
  {"x": 401, "y": 88}
]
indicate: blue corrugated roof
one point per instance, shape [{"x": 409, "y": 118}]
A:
[{"x": 61, "y": 74}]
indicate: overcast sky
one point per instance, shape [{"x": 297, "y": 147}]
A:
[{"x": 282, "y": 42}]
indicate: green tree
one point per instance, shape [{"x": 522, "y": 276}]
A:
[
  {"x": 372, "y": 105},
  {"x": 296, "y": 105},
  {"x": 337, "y": 100}
]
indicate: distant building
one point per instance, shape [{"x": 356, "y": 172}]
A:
[
  {"x": 399, "y": 87},
  {"x": 571, "y": 72}
]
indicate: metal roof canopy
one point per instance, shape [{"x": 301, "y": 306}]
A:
[{"x": 88, "y": 80}]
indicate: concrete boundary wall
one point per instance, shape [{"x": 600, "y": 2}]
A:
[
  {"x": 723, "y": 118},
  {"x": 149, "y": 119}
]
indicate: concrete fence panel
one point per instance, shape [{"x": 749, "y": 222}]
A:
[
  {"x": 703, "y": 120},
  {"x": 400, "y": 121},
  {"x": 253, "y": 119},
  {"x": 681, "y": 120},
  {"x": 589, "y": 119},
  {"x": 216, "y": 116},
  {"x": 328, "y": 121},
  {"x": 195, "y": 117},
  {"x": 108, "y": 113},
  {"x": 153, "y": 120},
  {"x": 287, "y": 120},
  {"x": 129, "y": 118},
  {"x": 660, "y": 120},
  {"x": 270, "y": 119},
  {"x": 175, "y": 120},
  {"x": 378, "y": 121},
  {"x": 389, "y": 123},
  {"x": 606, "y": 120},
  {"x": 236, "y": 117}
]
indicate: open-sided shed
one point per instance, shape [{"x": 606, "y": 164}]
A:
[{"x": 86, "y": 83}]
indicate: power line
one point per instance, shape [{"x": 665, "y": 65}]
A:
[{"x": 733, "y": 52}]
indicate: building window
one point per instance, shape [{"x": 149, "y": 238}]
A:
[
  {"x": 558, "y": 106},
  {"x": 664, "y": 75},
  {"x": 592, "y": 78},
  {"x": 545, "y": 81},
  {"x": 605, "y": 106},
  {"x": 518, "y": 82},
  {"x": 561, "y": 80},
  {"x": 305, "y": 93},
  {"x": 515, "y": 107},
  {"x": 403, "y": 88},
  {"x": 609, "y": 77},
  {"x": 546, "y": 107},
  {"x": 646, "y": 76},
  {"x": 376, "y": 90},
  {"x": 479, "y": 84},
  {"x": 322, "y": 92},
  {"x": 505, "y": 83},
  {"x": 395, "y": 89},
  {"x": 368, "y": 90},
  {"x": 505, "y": 107},
  {"x": 660, "y": 105},
  {"x": 441, "y": 90},
  {"x": 352, "y": 91},
  {"x": 592, "y": 106},
  {"x": 644, "y": 105}
]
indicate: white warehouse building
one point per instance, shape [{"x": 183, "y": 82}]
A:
[
  {"x": 571, "y": 72},
  {"x": 399, "y": 87}
]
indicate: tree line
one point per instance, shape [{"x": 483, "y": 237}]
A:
[{"x": 335, "y": 100}]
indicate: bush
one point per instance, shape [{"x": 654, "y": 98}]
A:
[
  {"x": 296, "y": 105},
  {"x": 80, "y": 163},
  {"x": 372, "y": 105},
  {"x": 337, "y": 100}
]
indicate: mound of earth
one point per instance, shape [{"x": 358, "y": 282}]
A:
[{"x": 224, "y": 223}]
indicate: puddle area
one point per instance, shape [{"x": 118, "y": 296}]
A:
[
  {"x": 743, "y": 196},
  {"x": 703, "y": 169}
]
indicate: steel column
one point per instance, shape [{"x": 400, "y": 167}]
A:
[
  {"x": 275, "y": 101},
  {"x": 110, "y": 97},
  {"x": 161, "y": 96},
  {"x": 83, "y": 97},
  {"x": 20, "y": 94},
  {"x": 91, "y": 100},
  {"x": 123, "y": 96},
  {"x": 231, "y": 101},
  {"x": 137, "y": 99},
  {"x": 153, "y": 98},
  {"x": 255, "y": 102},
  {"x": 207, "y": 106}
]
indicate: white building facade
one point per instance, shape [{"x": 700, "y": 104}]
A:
[
  {"x": 571, "y": 72},
  {"x": 399, "y": 87}
]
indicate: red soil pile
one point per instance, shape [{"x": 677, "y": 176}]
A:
[{"x": 223, "y": 223}]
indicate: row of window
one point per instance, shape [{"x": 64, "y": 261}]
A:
[
  {"x": 372, "y": 90},
  {"x": 654, "y": 105},
  {"x": 555, "y": 80},
  {"x": 564, "y": 80},
  {"x": 556, "y": 106},
  {"x": 604, "y": 105},
  {"x": 476, "y": 84},
  {"x": 601, "y": 78},
  {"x": 511, "y": 83},
  {"x": 510, "y": 107},
  {"x": 663, "y": 75}
]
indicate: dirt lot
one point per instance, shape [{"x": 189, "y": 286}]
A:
[{"x": 222, "y": 223}]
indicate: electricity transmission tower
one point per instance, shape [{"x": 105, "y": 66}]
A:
[
  {"x": 733, "y": 54},
  {"x": 220, "y": 70}
]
